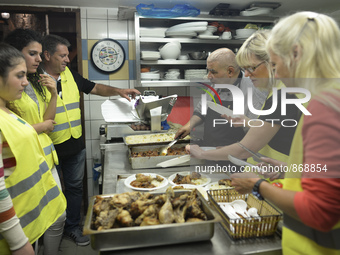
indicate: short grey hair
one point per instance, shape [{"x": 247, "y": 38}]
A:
[{"x": 50, "y": 43}]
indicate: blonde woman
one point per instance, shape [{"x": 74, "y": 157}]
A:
[
  {"x": 305, "y": 51},
  {"x": 271, "y": 139}
]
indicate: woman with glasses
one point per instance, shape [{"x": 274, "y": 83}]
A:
[
  {"x": 305, "y": 51},
  {"x": 267, "y": 135}
]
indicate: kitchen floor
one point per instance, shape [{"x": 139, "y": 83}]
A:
[{"x": 68, "y": 247}]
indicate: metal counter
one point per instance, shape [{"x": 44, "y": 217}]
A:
[{"x": 117, "y": 166}]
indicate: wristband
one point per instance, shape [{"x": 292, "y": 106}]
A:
[{"x": 256, "y": 189}]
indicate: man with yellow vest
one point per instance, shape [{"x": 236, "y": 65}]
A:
[
  {"x": 67, "y": 134},
  {"x": 305, "y": 47}
]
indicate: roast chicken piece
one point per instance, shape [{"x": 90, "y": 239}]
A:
[
  {"x": 151, "y": 212},
  {"x": 147, "y": 221},
  {"x": 102, "y": 204},
  {"x": 139, "y": 206},
  {"x": 106, "y": 219},
  {"x": 166, "y": 214},
  {"x": 226, "y": 182},
  {"x": 124, "y": 218},
  {"x": 194, "y": 207},
  {"x": 180, "y": 209}
]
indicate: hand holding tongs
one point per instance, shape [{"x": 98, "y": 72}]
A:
[{"x": 164, "y": 150}]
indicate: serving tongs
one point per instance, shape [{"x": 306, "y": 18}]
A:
[
  {"x": 164, "y": 150},
  {"x": 256, "y": 156}
]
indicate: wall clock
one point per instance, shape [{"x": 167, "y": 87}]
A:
[{"x": 108, "y": 55}]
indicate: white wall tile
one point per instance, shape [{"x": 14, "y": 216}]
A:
[
  {"x": 95, "y": 148},
  {"x": 87, "y": 110},
  {"x": 118, "y": 29},
  {"x": 83, "y": 13},
  {"x": 112, "y": 13},
  {"x": 97, "y": 13},
  {"x": 88, "y": 149},
  {"x": 123, "y": 84},
  {"x": 95, "y": 125},
  {"x": 83, "y": 24},
  {"x": 87, "y": 129},
  {"x": 96, "y": 29},
  {"x": 86, "y": 97},
  {"x": 131, "y": 30},
  {"x": 95, "y": 110},
  {"x": 90, "y": 191}
]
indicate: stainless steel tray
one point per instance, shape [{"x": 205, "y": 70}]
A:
[
  {"x": 154, "y": 138},
  {"x": 151, "y": 162},
  {"x": 146, "y": 236}
]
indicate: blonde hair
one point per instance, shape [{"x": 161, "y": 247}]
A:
[
  {"x": 254, "y": 47},
  {"x": 309, "y": 45}
]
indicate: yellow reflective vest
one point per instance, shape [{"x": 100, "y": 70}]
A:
[
  {"x": 37, "y": 200},
  {"x": 33, "y": 115},
  {"x": 68, "y": 115},
  {"x": 269, "y": 151},
  {"x": 297, "y": 238}
]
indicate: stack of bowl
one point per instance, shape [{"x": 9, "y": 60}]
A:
[
  {"x": 244, "y": 33},
  {"x": 171, "y": 50}
]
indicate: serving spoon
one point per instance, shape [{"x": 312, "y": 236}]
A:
[{"x": 164, "y": 151}]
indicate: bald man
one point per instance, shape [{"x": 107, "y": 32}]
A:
[{"x": 223, "y": 69}]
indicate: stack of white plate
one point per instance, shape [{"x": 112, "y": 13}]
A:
[
  {"x": 150, "y": 75},
  {"x": 150, "y": 55},
  {"x": 186, "y": 30},
  {"x": 152, "y": 32},
  {"x": 244, "y": 33},
  {"x": 172, "y": 74},
  {"x": 191, "y": 74}
]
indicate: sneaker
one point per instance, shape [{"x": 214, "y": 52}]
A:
[{"x": 76, "y": 235}]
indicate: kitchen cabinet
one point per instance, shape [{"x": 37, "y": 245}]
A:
[{"x": 188, "y": 45}]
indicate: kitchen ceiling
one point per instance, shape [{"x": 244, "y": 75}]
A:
[{"x": 331, "y": 7}]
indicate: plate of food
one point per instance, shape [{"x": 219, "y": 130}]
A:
[
  {"x": 145, "y": 182},
  {"x": 193, "y": 178},
  {"x": 221, "y": 184},
  {"x": 202, "y": 190}
]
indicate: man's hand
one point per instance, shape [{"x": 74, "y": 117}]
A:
[
  {"x": 195, "y": 151},
  {"x": 128, "y": 92},
  {"x": 182, "y": 132},
  {"x": 244, "y": 182}
]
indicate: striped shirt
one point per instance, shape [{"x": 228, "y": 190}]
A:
[{"x": 10, "y": 227}]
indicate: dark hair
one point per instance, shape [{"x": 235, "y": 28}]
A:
[
  {"x": 50, "y": 43},
  {"x": 20, "y": 38},
  {"x": 10, "y": 57}
]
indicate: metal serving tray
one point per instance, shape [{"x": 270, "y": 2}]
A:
[
  {"x": 154, "y": 138},
  {"x": 151, "y": 162},
  {"x": 146, "y": 236}
]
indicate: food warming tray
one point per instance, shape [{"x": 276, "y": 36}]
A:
[
  {"x": 151, "y": 162},
  {"x": 145, "y": 236}
]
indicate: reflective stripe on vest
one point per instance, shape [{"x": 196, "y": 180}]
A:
[
  {"x": 326, "y": 239},
  {"x": 68, "y": 115},
  {"x": 37, "y": 200},
  {"x": 292, "y": 180}
]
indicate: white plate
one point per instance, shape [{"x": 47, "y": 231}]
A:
[
  {"x": 241, "y": 162},
  {"x": 208, "y": 180},
  {"x": 131, "y": 178},
  {"x": 191, "y": 24},
  {"x": 177, "y": 33},
  {"x": 210, "y": 186},
  {"x": 221, "y": 109},
  {"x": 191, "y": 187},
  {"x": 174, "y": 161},
  {"x": 186, "y": 29},
  {"x": 150, "y": 58},
  {"x": 208, "y": 36}
]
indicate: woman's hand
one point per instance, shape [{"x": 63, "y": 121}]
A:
[
  {"x": 195, "y": 151},
  {"x": 49, "y": 83},
  {"x": 27, "y": 249},
  {"x": 244, "y": 182},
  {"x": 272, "y": 168},
  {"x": 48, "y": 126}
]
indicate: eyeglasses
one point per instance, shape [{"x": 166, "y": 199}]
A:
[{"x": 252, "y": 69}]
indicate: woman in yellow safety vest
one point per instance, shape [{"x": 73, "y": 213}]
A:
[
  {"x": 30, "y": 200},
  {"x": 39, "y": 112},
  {"x": 305, "y": 51}
]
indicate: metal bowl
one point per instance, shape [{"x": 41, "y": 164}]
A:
[{"x": 198, "y": 55}]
